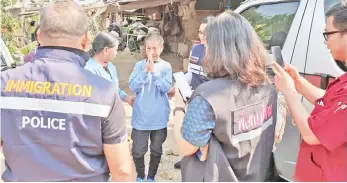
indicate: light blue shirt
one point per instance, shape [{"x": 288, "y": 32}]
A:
[
  {"x": 151, "y": 109},
  {"x": 93, "y": 66}
]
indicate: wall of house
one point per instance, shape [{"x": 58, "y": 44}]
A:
[
  {"x": 191, "y": 25},
  {"x": 190, "y": 21}
]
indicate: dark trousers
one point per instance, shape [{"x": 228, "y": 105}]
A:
[{"x": 140, "y": 148}]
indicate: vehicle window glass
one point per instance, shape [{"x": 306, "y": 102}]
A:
[
  {"x": 3, "y": 62},
  {"x": 272, "y": 21}
]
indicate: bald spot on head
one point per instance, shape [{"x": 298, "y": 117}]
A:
[{"x": 63, "y": 19}]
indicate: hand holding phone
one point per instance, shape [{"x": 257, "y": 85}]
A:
[{"x": 277, "y": 54}]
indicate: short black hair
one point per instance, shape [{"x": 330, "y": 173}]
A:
[
  {"x": 339, "y": 12},
  {"x": 102, "y": 40}
]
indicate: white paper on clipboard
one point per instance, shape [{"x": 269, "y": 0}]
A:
[{"x": 183, "y": 85}]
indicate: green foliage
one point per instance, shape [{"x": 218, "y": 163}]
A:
[
  {"x": 9, "y": 26},
  {"x": 266, "y": 26},
  {"x": 26, "y": 49},
  {"x": 7, "y": 22}
]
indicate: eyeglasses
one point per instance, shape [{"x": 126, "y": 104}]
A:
[{"x": 326, "y": 34}]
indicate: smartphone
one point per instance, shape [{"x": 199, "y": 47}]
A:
[
  {"x": 277, "y": 54},
  {"x": 183, "y": 86}
]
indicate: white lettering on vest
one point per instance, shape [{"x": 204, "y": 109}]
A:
[
  {"x": 25, "y": 121},
  {"x": 35, "y": 122},
  {"x": 40, "y": 122},
  {"x": 252, "y": 117},
  {"x": 254, "y": 120}
]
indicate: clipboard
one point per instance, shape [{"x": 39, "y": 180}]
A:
[{"x": 183, "y": 85}]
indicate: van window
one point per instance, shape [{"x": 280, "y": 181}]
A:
[
  {"x": 272, "y": 21},
  {"x": 3, "y": 61}
]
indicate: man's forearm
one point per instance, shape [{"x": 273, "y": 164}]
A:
[
  {"x": 120, "y": 162},
  {"x": 300, "y": 117},
  {"x": 123, "y": 176},
  {"x": 309, "y": 91}
]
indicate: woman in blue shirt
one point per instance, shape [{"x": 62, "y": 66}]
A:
[{"x": 104, "y": 49}]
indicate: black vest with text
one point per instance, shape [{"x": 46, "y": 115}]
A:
[{"x": 240, "y": 148}]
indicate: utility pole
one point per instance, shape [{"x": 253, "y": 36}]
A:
[{"x": 22, "y": 22}]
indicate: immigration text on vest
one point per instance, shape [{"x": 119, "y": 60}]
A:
[
  {"x": 41, "y": 122},
  {"x": 48, "y": 88}
]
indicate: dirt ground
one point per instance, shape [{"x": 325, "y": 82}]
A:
[{"x": 125, "y": 63}]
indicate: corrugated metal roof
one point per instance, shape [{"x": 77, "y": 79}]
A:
[
  {"x": 126, "y": 1},
  {"x": 86, "y": 2}
]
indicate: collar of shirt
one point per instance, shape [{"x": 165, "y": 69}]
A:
[
  {"x": 335, "y": 87},
  {"x": 77, "y": 56},
  {"x": 338, "y": 81},
  {"x": 96, "y": 63},
  {"x": 343, "y": 78}
]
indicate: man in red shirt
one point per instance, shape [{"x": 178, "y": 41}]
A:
[{"x": 323, "y": 151}]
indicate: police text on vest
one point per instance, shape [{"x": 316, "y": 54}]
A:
[{"x": 41, "y": 122}]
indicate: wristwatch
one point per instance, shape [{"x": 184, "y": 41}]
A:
[{"x": 178, "y": 109}]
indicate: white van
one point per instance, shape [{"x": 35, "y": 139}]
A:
[
  {"x": 296, "y": 26},
  {"x": 5, "y": 56}
]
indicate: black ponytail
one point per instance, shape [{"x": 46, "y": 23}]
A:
[{"x": 101, "y": 41}]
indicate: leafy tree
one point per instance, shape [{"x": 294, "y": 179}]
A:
[
  {"x": 9, "y": 26},
  {"x": 267, "y": 26}
]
